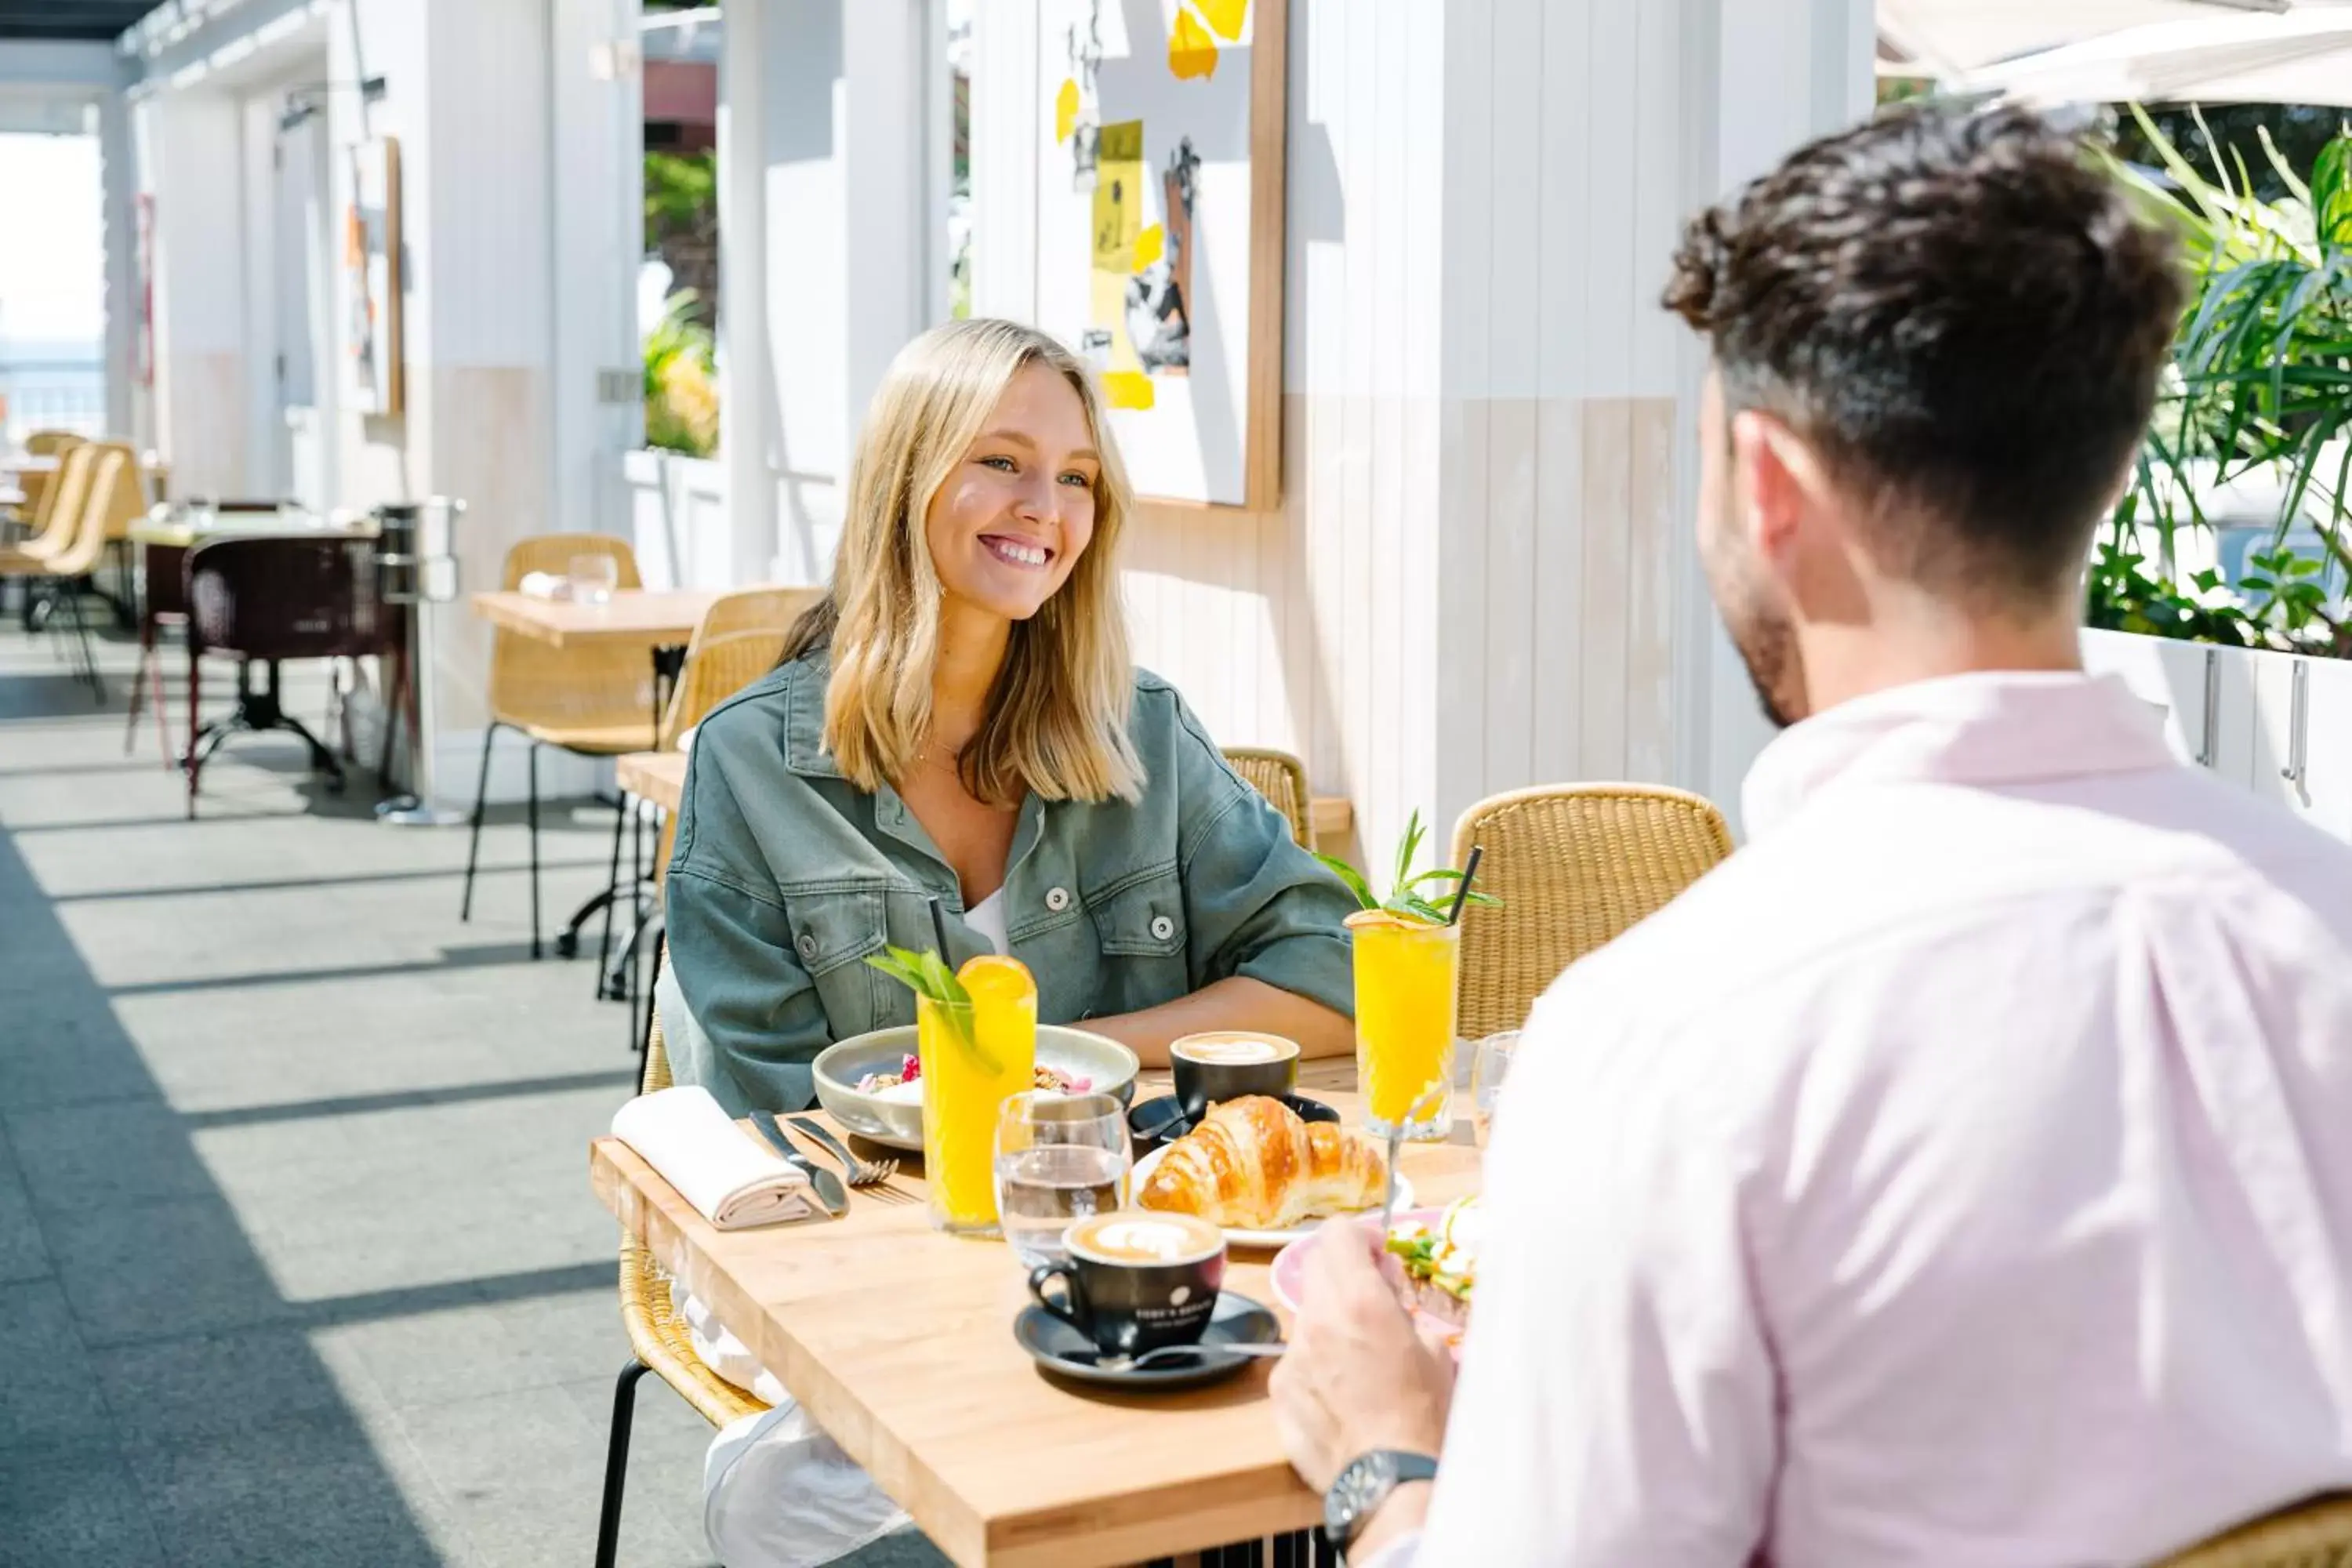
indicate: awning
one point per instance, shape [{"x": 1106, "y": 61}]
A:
[
  {"x": 2303, "y": 58},
  {"x": 1953, "y": 38}
]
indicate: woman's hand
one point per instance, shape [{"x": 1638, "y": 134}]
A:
[{"x": 1239, "y": 1003}]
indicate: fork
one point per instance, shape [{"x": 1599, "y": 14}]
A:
[{"x": 861, "y": 1173}]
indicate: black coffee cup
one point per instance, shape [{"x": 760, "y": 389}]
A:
[
  {"x": 1136, "y": 1282},
  {"x": 1229, "y": 1064}
]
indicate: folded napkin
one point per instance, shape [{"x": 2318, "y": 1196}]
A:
[
  {"x": 713, "y": 1163},
  {"x": 545, "y": 586}
]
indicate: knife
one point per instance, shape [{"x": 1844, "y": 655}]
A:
[{"x": 828, "y": 1187}]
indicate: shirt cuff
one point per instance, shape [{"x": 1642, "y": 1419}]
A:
[{"x": 1397, "y": 1553}]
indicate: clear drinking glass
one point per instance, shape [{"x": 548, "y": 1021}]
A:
[
  {"x": 1059, "y": 1158},
  {"x": 1406, "y": 975},
  {"x": 1490, "y": 1062},
  {"x": 593, "y": 578}
]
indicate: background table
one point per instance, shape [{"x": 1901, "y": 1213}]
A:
[
  {"x": 899, "y": 1340},
  {"x": 655, "y": 619}
]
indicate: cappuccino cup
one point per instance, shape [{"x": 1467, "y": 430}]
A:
[
  {"x": 1227, "y": 1064},
  {"x": 1135, "y": 1279}
]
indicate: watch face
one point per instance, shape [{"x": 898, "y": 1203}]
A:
[{"x": 1358, "y": 1490}]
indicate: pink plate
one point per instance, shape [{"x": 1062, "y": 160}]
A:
[{"x": 1289, "y": 1268}]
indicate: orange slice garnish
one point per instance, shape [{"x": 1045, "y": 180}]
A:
[{"x": 994, "y": 978}]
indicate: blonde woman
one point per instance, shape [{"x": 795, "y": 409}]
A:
[{"x": 959, "y": 720}]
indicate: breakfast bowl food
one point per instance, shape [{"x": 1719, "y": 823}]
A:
[{"x": 889, "y": 1107}]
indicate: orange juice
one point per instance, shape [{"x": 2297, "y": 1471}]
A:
[
  {"x": 1406, "y": 970},
  {"x": 972, "y": 1063}
]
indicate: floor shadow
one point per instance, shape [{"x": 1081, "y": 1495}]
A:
[{"x": 131, "y": 1281}]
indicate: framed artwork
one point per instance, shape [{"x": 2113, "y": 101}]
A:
[
  {"x": 1160, "y": 244},
  {"x": 372, "y": 380}
]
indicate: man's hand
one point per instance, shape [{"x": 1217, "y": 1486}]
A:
[{"x": 1358, "y": 1376}]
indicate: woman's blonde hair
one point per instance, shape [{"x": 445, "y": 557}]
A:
[{"x": 1058, "y": 717}]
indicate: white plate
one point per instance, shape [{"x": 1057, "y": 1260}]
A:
[{"x": 1237, "y": 1237}]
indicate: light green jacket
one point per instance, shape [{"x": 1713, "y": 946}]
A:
[{"x": 786, "y": 876}]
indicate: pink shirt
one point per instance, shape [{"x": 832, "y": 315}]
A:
[{"x": 1961, "y": 1173}]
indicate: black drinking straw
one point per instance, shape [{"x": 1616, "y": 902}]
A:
[
  {"x": 939, "y": 923},
  {"x": 1462, "y": 889}
]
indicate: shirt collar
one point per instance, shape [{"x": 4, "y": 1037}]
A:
[
  {"x": 1993, "y": 726},
  {"x": 804, "y": 751}
]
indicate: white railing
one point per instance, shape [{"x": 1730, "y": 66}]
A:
[{"x": 51, "y": 394}]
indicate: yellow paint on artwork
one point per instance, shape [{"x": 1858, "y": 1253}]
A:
[
  {"x": 1128, "y": 389},
  {"x": 1226, "y": 18},
  {"x": 1148, "y": 245},
  {"x": 1065, "y": 111},
  {"x": 1192, "y": 52}
]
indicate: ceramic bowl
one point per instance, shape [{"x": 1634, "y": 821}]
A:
[{"x": 899, "y": 1123}]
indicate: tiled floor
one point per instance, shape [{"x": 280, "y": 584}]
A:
[{"x": 298, "y": 1260}]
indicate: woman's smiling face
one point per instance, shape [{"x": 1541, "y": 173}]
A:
[{"x": 1012, "y": 517}]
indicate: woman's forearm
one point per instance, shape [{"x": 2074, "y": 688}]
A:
[{"x": 1239, "y": 1003}]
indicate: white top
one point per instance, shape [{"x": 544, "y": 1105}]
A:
[
  {"x": 987, "y": 917},
  {"x": 1956, "y": 1175}
]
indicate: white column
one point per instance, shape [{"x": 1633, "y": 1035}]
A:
[
  {"x": 746, "y": 390},
  {"x": 117, "y": 168},
  {"x": 190, "y": 156},
  {"x": 846, "y": 192},
  {"x": 1775, "y": 73}
]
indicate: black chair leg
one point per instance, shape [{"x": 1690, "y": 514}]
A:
[
  {"x": 81, "y": 633},
  {"x": 612, "y": 882},
  {"x": 481, "y": 793},
  {"x": 533, "y": 810},
  {"x": 616, "y": 1462},
  {"x": 138, "y": 699}
]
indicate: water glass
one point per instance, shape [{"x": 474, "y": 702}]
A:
[
  {"x": 593, "y": 578},
  {"x": 1490, "y": 1061},
  {"x": 1059, "y": 1158}
]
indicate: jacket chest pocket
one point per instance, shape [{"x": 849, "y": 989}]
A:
[
  {"x": 833, "y": 931},
  {"x": 1142, "y": 917}
]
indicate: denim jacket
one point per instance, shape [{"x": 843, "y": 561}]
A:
[{"x": 786, "y": 876}]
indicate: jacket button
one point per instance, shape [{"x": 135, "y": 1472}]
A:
[
  {"x": 1162, "y": 928},
  {"x": 1058, "y": 899},
  {"x": 807, "y": 944}
]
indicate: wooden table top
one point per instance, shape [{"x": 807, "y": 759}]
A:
[
  {"x": 654, "y": 617},
  {"x": 660, "y": 777},
  {"x": 898, "y": 1341},
  {"x": 184, "y": 535}
]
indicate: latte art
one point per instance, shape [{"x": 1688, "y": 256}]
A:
[
  {"x": 1145, "y": 1238},
  {"x": 1233, "y": 1049}
]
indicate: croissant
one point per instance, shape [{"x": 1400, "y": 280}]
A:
[{"x": 1253, "y": 1164}]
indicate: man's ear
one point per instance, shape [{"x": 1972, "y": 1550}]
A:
[{"x": 1780, "y": 481}]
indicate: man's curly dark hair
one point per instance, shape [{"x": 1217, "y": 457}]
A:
[{"x": 1965, "y": 316}]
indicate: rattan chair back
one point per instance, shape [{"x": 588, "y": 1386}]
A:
[
  {"x": 283, "y": 596},
  {"x": 659, "y": 1336},
  {"x": 51, "y": 443},
  {"x": 536, "y": 685},
  {"x": 107, "y": 470},
  {"x": 739, "y": 640},
  {"x": 1574, "y": 866},
  {"x": 56, "y": 509},
  {"x": 1282, "y": 779},
  {"x": 2314, "y": 1534}
]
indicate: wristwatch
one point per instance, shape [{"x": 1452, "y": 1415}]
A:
[{"x": 1363, "y": 1486}]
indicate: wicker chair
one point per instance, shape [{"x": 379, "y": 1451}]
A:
[
  {"x": 2314, "y": 1534},
  {"x": 1282, "y": 779},
  {"x": 51, "y": 443},
  {"x": 592, "y": 701},
  {"x": 53, "y": 516},
  {"x": 1574, "y": 865},
  {"x": 27, "y": 520},
  {"x": 86, "y": 494},
  {"x": 659, "y": 1342}
]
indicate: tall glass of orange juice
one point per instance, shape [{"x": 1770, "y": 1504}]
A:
[
  {"x": 1406, "y": 969},
  {"x": 973, "y": 1059}
]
